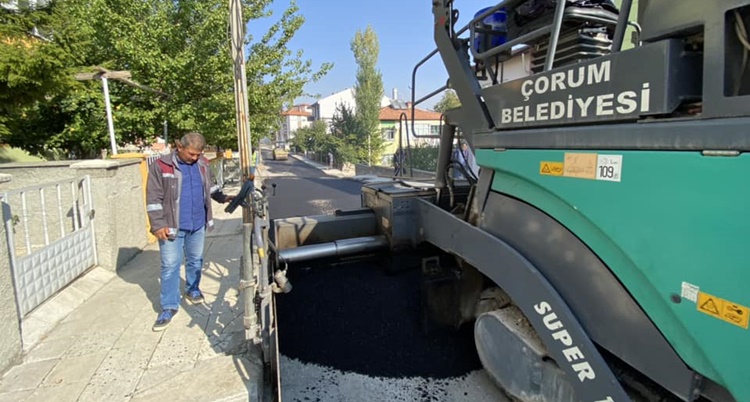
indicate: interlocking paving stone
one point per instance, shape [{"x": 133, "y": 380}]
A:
[
  {"x": 62, "y": 393},
  {"x": 111, "y": 386},
  {"x": 74, "y": 369},
  {"x": 51, "y": 349},
  {"x": 15, "y": 396},
  {"x": 94, "y": 342},
  {"x": 26, "y": 376}
]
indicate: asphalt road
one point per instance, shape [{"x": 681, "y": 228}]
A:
[{"x": 351, "y": 332}]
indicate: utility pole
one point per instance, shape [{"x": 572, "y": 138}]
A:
[
  {"x": 237, "y": 27},
  {"x": 260, "y": 328},
  {"x": 249, "y": 269}
]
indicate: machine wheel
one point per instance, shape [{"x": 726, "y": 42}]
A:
[{"x": 516, "y": 359}]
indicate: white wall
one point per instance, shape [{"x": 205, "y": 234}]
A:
[
  {"x": 289, "y": 126},
  {"x": 325, "y": 108}
]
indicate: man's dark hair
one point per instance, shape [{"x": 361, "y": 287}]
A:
[{"x": 193, "y": 140}]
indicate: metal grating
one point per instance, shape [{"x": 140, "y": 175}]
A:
[{"x": 50, "y": 236}]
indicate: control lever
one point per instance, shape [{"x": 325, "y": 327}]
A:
[{"x": 247, "y": 188}]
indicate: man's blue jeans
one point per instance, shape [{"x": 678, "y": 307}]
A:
[{"x": 189, "y": 245}]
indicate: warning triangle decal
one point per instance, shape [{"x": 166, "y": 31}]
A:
[
  {"x": 710, "y": 306},
  {"x": 545, "y": 168}
]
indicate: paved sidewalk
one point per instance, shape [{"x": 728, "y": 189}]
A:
[
  {"x": 100, "y": 346},
  {"x": 324, "y": 168},
  {"x": 363, "y": 178}
]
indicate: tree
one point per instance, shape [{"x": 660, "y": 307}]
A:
[
  {"x": 347, "y": 128},
  {"x": 368, "y": 91},
  {"x": 180, "y": 48},
  {"x": 33, "y": 67},
  {"x": 310, "y": 138},
  {"x": 448, "y": 101},
  {"x": 317, "y": 140},
  {"x": 424, "y": 157}
]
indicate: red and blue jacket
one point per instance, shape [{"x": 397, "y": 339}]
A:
[{"x": 163, "y": 193}]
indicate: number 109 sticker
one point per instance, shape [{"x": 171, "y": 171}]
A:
[
  {"x": 609, "y": 167},
  {"x": 589, "y": 166}
]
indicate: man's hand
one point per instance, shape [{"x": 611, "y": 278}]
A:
[
  {"x": 162, "y": 234},
  {"x": 229, "y": 198}
]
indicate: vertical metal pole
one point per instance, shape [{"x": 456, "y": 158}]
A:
[
  {"x": 76, "y": 205},
  {"x": 444, "y": 155},
  {"x": 166, "y": 133},
  {"x": 555, "y": 36},
  {"x": 45, "y": 227},
  {"x": 59, "y": 210},
  {"x": 110, "y": 124},
  {"x": 264, "y": 288},
  {"x": 249, "y": 285},
  {"x": 25, "y": 214},
  {"x": 622, "y": 25}
]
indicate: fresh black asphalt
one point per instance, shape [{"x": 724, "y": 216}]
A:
[{"x": 355, "y": 317}]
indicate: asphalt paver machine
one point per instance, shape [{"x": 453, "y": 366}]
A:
[{"x": 600, "y": 248}]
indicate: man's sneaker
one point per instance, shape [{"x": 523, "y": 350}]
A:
[
  {"x": 194, "y": 297},
  {"x": 164, "y": 319}
]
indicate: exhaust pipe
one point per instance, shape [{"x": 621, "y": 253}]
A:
[{"x": 338, "y": 248}]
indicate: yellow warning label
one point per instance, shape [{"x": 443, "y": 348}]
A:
[
  {"x": 551, "y": 168},
  {"x": 723, "y": 309}
]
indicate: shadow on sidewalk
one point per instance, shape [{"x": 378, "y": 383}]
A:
[
  {"x": 211, "y": 329},
  {"x": 143, "y": 270},
  {"x": 221, "y": 312}
]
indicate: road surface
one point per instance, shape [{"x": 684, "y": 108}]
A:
[{"x": 350, "y": 332}]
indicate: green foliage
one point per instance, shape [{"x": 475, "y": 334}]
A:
[
  {"x": 314, "y": 138},
  {"x": 368, "y": 90},
  {"x": 32, "y": 66},
  {"x": 178, "y": 48},
  {"x": 351, "y": 134},
  {"x": 448, "y": 101},
  {"x": 344, "y": 140},
  {"x": 423, "y": 157}
]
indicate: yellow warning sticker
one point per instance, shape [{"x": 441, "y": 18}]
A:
[
  {"x": 582, "y": 166},
  {"x": 725, "y": 310},
  {"x": 551, "y": 168},
  {"x": 585, "y": 166}
]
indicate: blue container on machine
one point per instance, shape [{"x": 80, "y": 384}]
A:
[{"x": 491, "y": 31}]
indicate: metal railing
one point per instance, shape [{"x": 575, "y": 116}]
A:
[
  {"x": 50, "y": 237},
  {"x": 37, "y": 216}
]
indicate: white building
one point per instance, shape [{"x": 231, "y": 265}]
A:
[
  {"x": 325, "y": 108},
  {"x": 299, "y": 116}
]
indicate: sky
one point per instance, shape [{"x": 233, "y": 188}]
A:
[{"x": 404, "y": 30}]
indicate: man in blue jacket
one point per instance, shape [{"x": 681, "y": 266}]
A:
[{"x": 178, "y": 201}]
